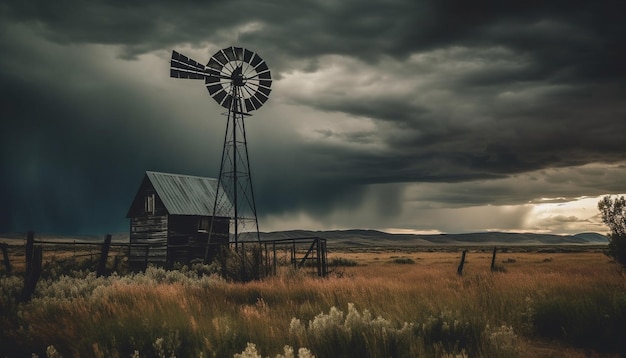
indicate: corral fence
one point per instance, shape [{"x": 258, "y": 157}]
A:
[
  {"x": 268, "y": 256},
  {"x": 303, "y": 253}
]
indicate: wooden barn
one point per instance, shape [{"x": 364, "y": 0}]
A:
[{"x": 170, "y": 219}]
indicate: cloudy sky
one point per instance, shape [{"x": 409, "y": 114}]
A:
[{"x": 400, "y": 115}]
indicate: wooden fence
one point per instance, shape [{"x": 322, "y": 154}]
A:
[{"x": 308, "y": 253}]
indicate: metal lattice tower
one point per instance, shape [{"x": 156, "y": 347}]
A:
[{"x": 240, "y": 81}]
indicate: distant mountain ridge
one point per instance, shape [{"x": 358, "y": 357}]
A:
[
  {"x": 373, "y": 238},
  {"x": 378, "y": 238}
]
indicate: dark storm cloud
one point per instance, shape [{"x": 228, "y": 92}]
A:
[
  {"x": 446, "y": 91},
  {"x": 74, "y": 141},
  {"x": 507, "y": 128},
  {"x": 583, "y": 39}
]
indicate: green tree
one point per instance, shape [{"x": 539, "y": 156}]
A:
[{"x": 613, "y": 211}]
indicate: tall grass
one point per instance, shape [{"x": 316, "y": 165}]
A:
[{"x": 376, "y": 309}]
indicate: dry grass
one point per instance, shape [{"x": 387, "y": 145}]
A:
[{"x": 176, "y": 313}]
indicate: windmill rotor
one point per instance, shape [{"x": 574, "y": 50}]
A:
[{"x": 229, "y": 68}]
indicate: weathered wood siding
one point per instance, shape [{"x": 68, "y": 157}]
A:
[
  {"x": 181, "y": 232},
  {"x": 221, "y": 227},
  {"x": 187, "y": 240},
  {"x": 152, "y": 231}
]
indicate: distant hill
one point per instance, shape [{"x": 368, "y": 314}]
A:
[
  {"x": 379, "y": 238},
  {"x": 374, "y": 238}
]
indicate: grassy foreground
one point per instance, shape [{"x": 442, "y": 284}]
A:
[{"x": 389, "y": 305}]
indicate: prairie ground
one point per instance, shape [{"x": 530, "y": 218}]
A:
[{"x": 376, "y": 303}]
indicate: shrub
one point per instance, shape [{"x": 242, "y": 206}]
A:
[
  {"x": 360, "y": 334},
  {"x": 251, "y": 352},
  {"x": 341, "y": 261},
  {"x": 502, "y": 341},
  {"x": 403, "y": 261},
  {"x": 352, "y": 335},
  {"x": 243, "y": 265},
  {"x": 446, "y": 331},
  {"x": 613, "y": 212},
  {"x": 586, "y": 322}
]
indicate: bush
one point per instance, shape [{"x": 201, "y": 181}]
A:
[
  {"x": 613, "y": 213},
  {"x": 360, "y": 334},
  {"x": 586, "y": 322},
  {"x": 241, "y": 266},
  {"x": 341, "y": 261},
  {"x": 352, "y": 335},
  {"x": 617, "y": 249},
  {"x": 403, "y": 261}
]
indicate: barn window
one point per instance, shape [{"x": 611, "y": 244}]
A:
[
  {"x": 150, "y": 204},
  {"x": 203, "y": 224}
]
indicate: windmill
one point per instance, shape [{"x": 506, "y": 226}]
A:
[{"x": 239, "y": 80}]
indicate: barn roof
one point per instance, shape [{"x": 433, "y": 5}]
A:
[{"x": 185, "y": 194}]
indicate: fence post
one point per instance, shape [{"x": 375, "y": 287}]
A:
[
  {"x": 267, "y": 258},
  {"x": 324, "y": 258},
  {"x": 244, "y": 275},
  {"x": 32, "y": 276},
  {"x": 319, "y": 257},
  {"x": 5, "y": 255},
  {"x": 274, "y": 258},
  {"x": 30, "y": 242},
  {"x": 104, "y": 254},
  {"x": 459, "y": 271},
  {"x": 493, "y": 259}
]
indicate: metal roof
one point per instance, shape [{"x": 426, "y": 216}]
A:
[{"x": 185, "y": 194}]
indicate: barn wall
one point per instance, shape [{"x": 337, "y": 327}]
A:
[
  {"x": 150, "y": 230},
  {"x": 187, "y": 237},
  {"x": 181, "y": 233},
  {"x": 220, "y": 236}
]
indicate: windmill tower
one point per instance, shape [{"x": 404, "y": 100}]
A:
[{"x": 239, "y": 80}]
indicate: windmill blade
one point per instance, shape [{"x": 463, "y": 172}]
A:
[
  {"x": 265, "y": 83},
  {"x": 214, "y": 88},
  {"x": 261, "y": 76},
  {"x": 265, "y": 91},
  {"x": 213, "y": 64},
  {"x": 247, "y": 55},
  {"x": 249, "y": 105},
  {"x": 230, "y": 53},
  {"x": 256, "y": 102},
  {"x": 248, "y": 89},
  {"x": 265, "y": 75},
  {"x": 256, "y": 60},
  {"x": 262, "y": 67},
  {"x": 261, "y": 97},
  {"x": 221, "y": 58},
  {"x": 238, "y": 53},
  {"x": 227, "y": 102},
  {"x": 219, "y": 96}
]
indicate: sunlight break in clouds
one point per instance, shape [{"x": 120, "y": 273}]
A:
[{"x": 574, "y": 216}]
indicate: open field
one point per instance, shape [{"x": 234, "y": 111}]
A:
[{"x": 398, "y": 302}]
